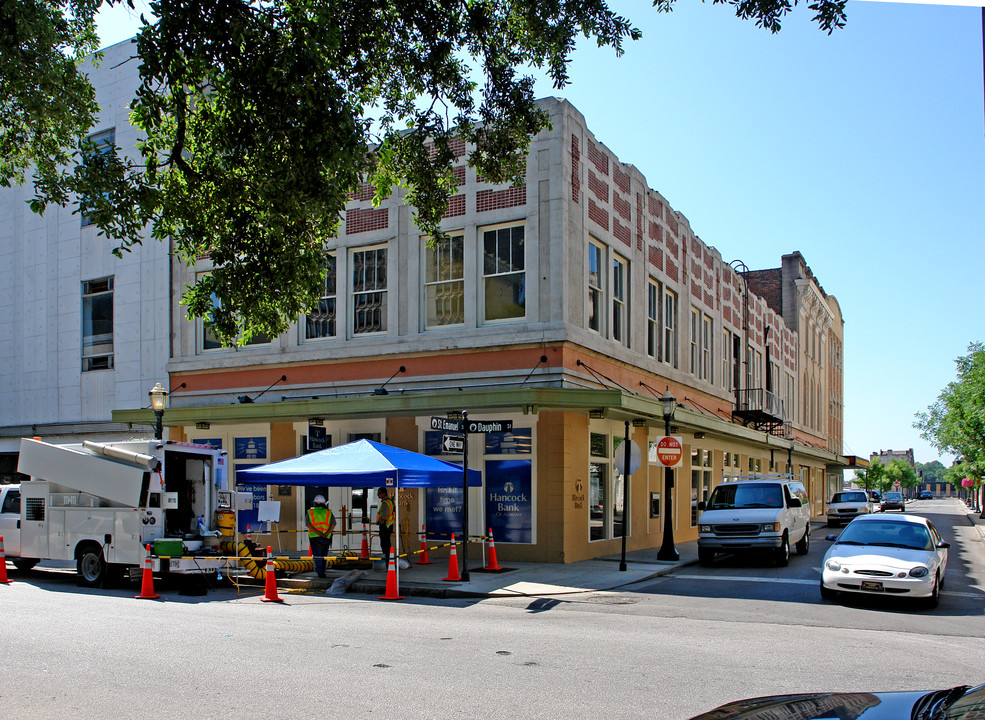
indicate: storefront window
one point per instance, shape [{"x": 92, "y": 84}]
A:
[{"x": 598, "y": 480}]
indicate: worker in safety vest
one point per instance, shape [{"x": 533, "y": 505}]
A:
[
  {"x": 321, "y": 523},
  {"x": 385, "y": 517}
]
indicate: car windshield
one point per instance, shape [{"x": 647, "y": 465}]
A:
[
  {"x": 887, "y": 534},
  {"x": 842, "y": 497},
  {"x": 746, "y": 495},
  {"x": 892, "y": 496}
]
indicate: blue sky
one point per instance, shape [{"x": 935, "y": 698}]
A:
[{"x": 864, "y": 150}]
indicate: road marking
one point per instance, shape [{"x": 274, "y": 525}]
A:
[{"x": 737, "y": 578}]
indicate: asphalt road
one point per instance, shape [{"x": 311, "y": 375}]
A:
[{"x": 665, "y": 649}]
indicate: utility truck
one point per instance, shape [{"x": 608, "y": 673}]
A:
[{"x": 101, "y": 504}]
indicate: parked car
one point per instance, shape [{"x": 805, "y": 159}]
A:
[
  {"x": 767, "y": 512},
  {"x": 926, "y": 495},
  {"x": 847, "y": 505},
  {"x": 876, "y": 554},
  {"x": 960, "y": 703},
  {"x": 875, "y": 496},
  {"x": 892, "y": 501}
]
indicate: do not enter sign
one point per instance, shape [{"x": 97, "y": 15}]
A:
[{"x": 670, "y": 451}]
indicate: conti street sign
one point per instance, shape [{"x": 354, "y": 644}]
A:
[
  {"x": 440, "y": 423},
  {"x": 489, "y": 426},
  {"x": 453, "y": 443}
]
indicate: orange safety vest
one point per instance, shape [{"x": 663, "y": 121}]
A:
[
  {"x": 321, "y": 519},
  {"x": 385, "y": 513}
]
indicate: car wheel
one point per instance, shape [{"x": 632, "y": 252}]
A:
[
  {"x": 706, "y": 557},
  {"x": 783, "y": 552},
  {"x": 804, "y": 544},
  {"x": 935, "y": 593},
  {"x": 828, "y": 593},
  {"x": 25, "y": 564},
  {"x": 91, "y": 566}
]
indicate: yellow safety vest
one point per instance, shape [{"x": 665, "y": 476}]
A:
[
  {"x": 385, "y": 513},
  {"x": 321, "y": 519}
]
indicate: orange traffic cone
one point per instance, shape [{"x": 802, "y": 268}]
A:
[
  {"x": 453, "y": 575},
  {"x": 147, "y": 581},
  {"x": 424, "y": 559},
  {"x": 364, "y": 552},
  {"x": 391, "y": 582},
  {"x": 270, "y": 586},
  {"x": 493, "y": 564},
  {"x": 3, "y": 564}
]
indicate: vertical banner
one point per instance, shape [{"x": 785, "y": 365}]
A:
[
  {"x": 443, "y": 515},
  {"x": 250, "y": 516},
  {"x": 509, "y": 500}
]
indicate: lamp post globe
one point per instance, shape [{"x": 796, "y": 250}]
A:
[
  {"x": 667, "y": 549},
  {"x": 158, "y": 401}
]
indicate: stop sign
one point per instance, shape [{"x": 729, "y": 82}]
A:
[
  {"x": 896, "y": 485},
  {"x": 669, "y": 451}
]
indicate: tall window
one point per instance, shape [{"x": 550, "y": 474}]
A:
[
  {"x": 726, "y": 359},
  {"x": 104, "y": 142},
  {"x": 503, "y": 275},
  {"x": 97, "y": 324},
  {"x": 670, "y": 328},
  {"x": 706, "y": 348},
  {"x": 320, "y": 322},
  {"x": 701, "y": 462},
  {"x": 599, "y": 505},
  {"x": 653, "y": 319},
  {"x": 596, "y": 286},
  {"x": 444, "y": 283},
  {"x": 369, "y": 291},
  {"x": 695, "y": 342},
  {"x": 620, "y": 309}
]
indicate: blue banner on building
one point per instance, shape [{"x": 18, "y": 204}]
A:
[
  {"x": 251, "y": 448},
  {"x": 509, "y": 500},
  {"x": 443, "y": 515},
  {"x": 248, "y": 519},
  {"x": 215, "y": 443}
]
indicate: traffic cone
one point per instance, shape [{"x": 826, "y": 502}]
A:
[
  {"x": 364, "y": 552},
  {"x": 3, "y": 565},
  {"x": 270, "y": 586},
  {"x": 391, "y": 582},
  {"x": 493, "y": 564},
  {"x": 453, "y": 575},
  {"x": 147, "y": 582},
  {"x": 424, "y": 559}
]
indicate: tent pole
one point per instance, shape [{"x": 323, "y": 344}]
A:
[{"x": 396, "y": 530}]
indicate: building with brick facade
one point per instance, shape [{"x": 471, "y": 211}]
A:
[{"x": 568, "y": 304}]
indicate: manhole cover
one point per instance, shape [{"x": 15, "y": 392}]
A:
[{"x": 612, "y": 599}]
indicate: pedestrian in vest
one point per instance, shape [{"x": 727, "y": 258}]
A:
[
  {"x": 385, "y": 516},
  {"x": 321, "y": 523}
]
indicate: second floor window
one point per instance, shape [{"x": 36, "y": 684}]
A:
[
  {"x": 503, "y": 274},
  {"x": 320, "y": 322},
  {"x": 670, "y": 328},
  {"x": 444, "y": 283},
  {"x": 653, "y": 319},
  {"x": 620, "y": 310},
  {"x": 596, "y": 288},
  {"x": 97, "y": 324},
  {"x": 369, "y": 291}
]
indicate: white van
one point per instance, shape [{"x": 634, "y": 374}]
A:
[{"x": 755, "y": 513}]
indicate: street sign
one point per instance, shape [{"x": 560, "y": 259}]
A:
[
  {"x": 897, "y": 485},
  {"x": 452, "y": 443},
  {"x": 635, "y": 458},
  {"x": 440, "y": 423},
  {"x": 670, "y": 451},
  {"x": 488, "y": 426}
]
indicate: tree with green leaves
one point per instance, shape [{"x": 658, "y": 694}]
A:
[
  {"x": 932, "y": 472},
  {"x": 900, "y": 471},
  {"x": 259, "y": 118},
  {"x": 872, "y": 477}
]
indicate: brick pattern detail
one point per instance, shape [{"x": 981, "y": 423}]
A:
[
  {"x": 656, "y": 257},
  {"x": 655, "y": 232},
  {"x": 486, "y": 200},
  {"x": 709, "y": 300},
  {"x": 459, "y": 175},
  {"x": 599, "y": 189},
  {"x": 671, "y": 242},
  {"x": 598, "y": 159},
  {"x": 457, "y": 146},
  {"x": 597, "y": 214},
  {"x": 622, "y": 232},
  {"x": 639, "y": 222},
  {"x": 671, "y": 271},
  {"x": 621, "y": 179},
  {"x": 456, "y": 206},
  {"x": 621, "y": 206},
  {"x": 654, "y": 207},
  {"x": 365, "y": 192},
  {"x": 575, "y": 169},
  {"x": 357, "y": 221}
]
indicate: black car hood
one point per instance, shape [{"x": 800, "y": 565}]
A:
[{"x": 820, "y": 706}]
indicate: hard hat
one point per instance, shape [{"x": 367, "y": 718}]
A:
[{"x": 319, "y": 500}]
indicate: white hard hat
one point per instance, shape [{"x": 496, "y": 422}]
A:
[{"x": 319, "y": 500}]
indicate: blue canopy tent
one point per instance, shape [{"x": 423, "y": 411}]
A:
[{"x": 362, "y": 464}]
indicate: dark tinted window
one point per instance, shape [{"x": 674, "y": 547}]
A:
[{"x": 12, "y": 502}]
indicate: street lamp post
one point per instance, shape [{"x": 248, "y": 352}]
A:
[
  {"x": 667, "y": 550},
  {"x": 158, "y": 400}
]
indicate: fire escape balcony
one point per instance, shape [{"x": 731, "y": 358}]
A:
[{"x": 763, "y": 410}]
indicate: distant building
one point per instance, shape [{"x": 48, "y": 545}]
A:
[{"x": 887, "y": 456}]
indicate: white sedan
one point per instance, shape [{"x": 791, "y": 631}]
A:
[{"x": 902, "y": 555}]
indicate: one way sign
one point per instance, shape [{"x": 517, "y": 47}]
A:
[{"x": 452, "y": 444}]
